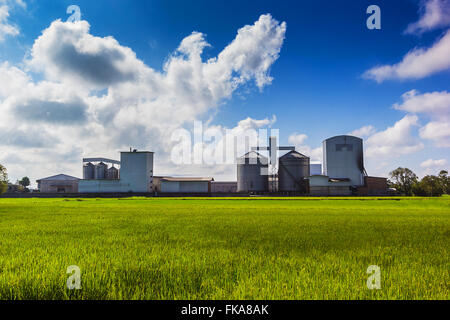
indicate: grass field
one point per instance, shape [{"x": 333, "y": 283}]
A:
[{"x": 225, "y": 248}]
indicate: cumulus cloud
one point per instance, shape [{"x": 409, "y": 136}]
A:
[
  {"x": 363, "y": 131},
  {"x": 6, "y": 27},
  {"x": 434, "y": 14},
  {"x": 97, "y": 97},
  {"x": 438, "y": 132},
  {"x": 416, "y": 64},
  {"x": 67, "y": 52},
  {"x": 395, "y": 140},
  {"x": 430, "y": 163},
  {"x": 299, "y": 141},
  {"x": 436, "y": 105}
]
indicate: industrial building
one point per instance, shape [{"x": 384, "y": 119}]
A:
[
  {"x": 182, "y": 185},
  {"x": 60, "y": 183},
  {"x": 315, "y": 169},
  {"x": 343, "y": 168},
  {"x": 320, "y": 185},
  {"x": 135, "y": 174},
  {"x": 343, "y": 158},
  {"x": 373, "y": 186},
  {"x": 223, "y": 186},
  {"x": 342, "y": 174}
]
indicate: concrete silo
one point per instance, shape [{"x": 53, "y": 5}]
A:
[
  {"x": 100, "y": 171},
  {"x": 252, "y": 173},
  {"x": 112, "y": 173},
  {"x": 293, "y": 168},
  {"x": 88, "y": 171},
  {"x": 343, "y": 158}
]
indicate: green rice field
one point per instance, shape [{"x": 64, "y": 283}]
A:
[{"x": 217, "y": 248}]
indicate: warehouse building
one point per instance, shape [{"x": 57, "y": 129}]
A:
[
  {"x": 373, "y": 186},
  {"x": 223, "y": 186},
  {"x": 60, "y": 183},
  {"x": 182, "y": 185},
  {"x": 320, "y": 185}
]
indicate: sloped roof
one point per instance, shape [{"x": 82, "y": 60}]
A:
[
  {"x": 59, "y": 177},
  {"x": 293, "y": 154},
  {"x": 252, "y": 154},
  {"x": 189, "y": 179}
]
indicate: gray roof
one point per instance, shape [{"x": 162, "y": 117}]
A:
[
  {"x": 189, "y": 179},
  {"x": 252, "y": 154},
  {"x": 59, "y": 177},
  {"x": 293, "y": 154}
]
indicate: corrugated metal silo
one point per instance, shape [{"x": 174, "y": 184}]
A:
[
  {"x": 112, "y": 173},
  {"x": 252, "y": 173},
  {"x": 293, "y": 168},
  {"x": 100, "y": 171},
  {"x": 343, "y": 158},
  {"x": 88, "y": 171}
]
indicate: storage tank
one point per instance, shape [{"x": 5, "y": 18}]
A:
[
  {"x": 112, "y": 173},
  {"x": 293, "y": 168},
  {"x": 88, "y": 171},
  {"x": 100, "y": 171},
  {"x": 252, "y": 173},
  {"x": 343, "y": 158}
]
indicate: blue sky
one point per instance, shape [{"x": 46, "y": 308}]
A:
[{"x": 318, "y": 87}]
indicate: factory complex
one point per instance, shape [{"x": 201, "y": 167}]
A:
[{"x": 342, "y": 174}]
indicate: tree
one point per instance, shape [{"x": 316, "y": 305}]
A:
[
  {"x": 445, "y": 181},
  {"x": 25, "y": 182},
  {"x": 404, "y": 180},
  {"x": 429, "y": 186},
  {"x": 3, "y": 179}
]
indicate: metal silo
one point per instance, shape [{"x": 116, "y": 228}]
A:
[
  {"x": 112, "y": 173},
  {"x": 343, "y": 158},
  {"x": 293, "y": 168},
  {"x": 88, "y": 171},
  {"x": 252, "y": 173},
  {"x": 100, "y": 171}
]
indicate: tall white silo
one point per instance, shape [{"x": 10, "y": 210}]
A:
[{"x": 343, "y": 158}]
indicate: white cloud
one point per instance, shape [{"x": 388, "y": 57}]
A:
[
  {"x": 97, "y": 97},
  {"x": 395, "y": 140},
  {"x": 434, "y": 14},
  {"x": 363, "y": 131},
  {"x": 430, "y": 163},
  {"x": 416, "y": 64},
  {"x": 438, "y": 132},
  {"x": 436, "y": 105},
  {"x": 298, "y": 140},
  {"x": 6, "y": 28}
]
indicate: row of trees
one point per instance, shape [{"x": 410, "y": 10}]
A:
[
  {"x": 407, "y": 183},
  {"x": 24, "y": 183}
]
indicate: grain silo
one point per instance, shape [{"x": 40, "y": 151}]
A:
[
  {"x": 252, "y": 173},
  {"x": 88, "y": 171},
  {"x": 343, "y": 158},
  {"x": 100, "y": 171},
  {"x": 293, "y": 168},
  {"x": 112, "y": 173}
]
